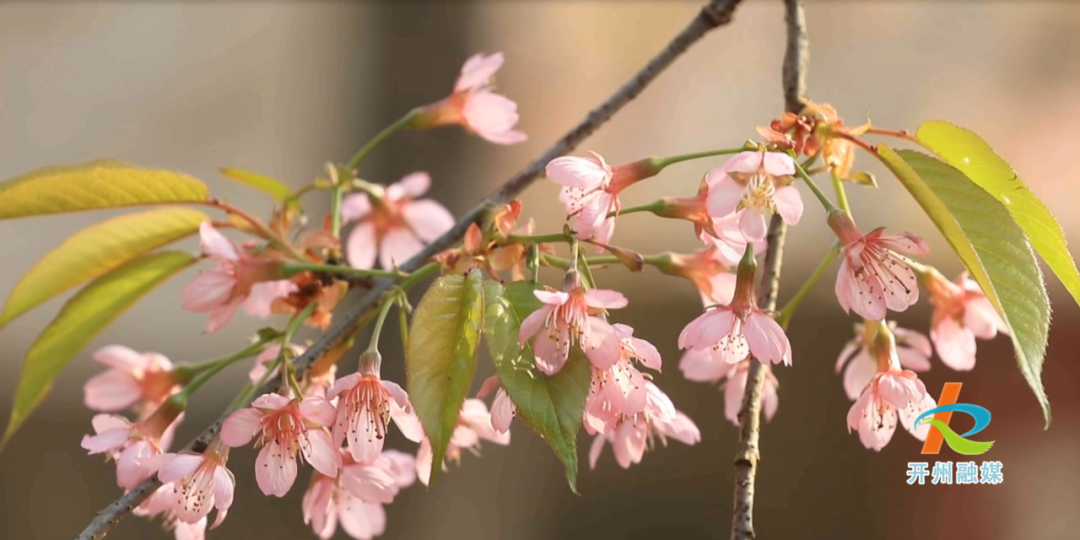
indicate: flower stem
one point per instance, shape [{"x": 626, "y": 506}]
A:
[
  {"x": 292, "y": 268},
  {"x": 180, "y": 398},
  {"x": 537, "y": 238},
  {"x": 825, "y": 202},
  {"x": 784, "y": 318},
  {"x": 660, "y": 163},
  {"x": 653, "y": 207},
  {"x": 417, "y": 275},
  {"x": 401, "y": 123},
  {"x": 391, "y": 299},
  {"x": 841, "y": 194}
]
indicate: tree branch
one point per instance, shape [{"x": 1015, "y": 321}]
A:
[
  {"x": 714, "y": 14},
  {"x": 747, "y": 456}
]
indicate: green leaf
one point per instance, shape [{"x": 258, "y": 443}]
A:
[
  {"x": 992, "y": 247},
  {"x": 92, "y": 186},
  {"x": 552, "y": 406},
  {"x": 970, "y": 154},
  {"x": 95, "y": 251},
  {"x": 275, "y": 188},
  {"x": 440, "y": 357},
  {"x": 80, "y": 320}
]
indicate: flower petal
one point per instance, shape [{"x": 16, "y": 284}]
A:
[
  {"x": 399, "y": 245},
  {"x": 427, "y": 218},
  {"x": 578, "y": 172},
  {"x": 361, "y": 247},
  {"x": 724, "y": 197},
  {"x": 605, "y": 299},
  {"x": 275, "y": 469},
  {"x": 321, "y": 452},
  {"x": 789, "y": 204},
  {"x": 411, "y": 186},
  {"x": 239, "y": 428}
]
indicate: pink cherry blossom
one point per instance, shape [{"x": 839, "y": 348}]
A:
[
  {"x": 703, "y": 366},
  {"x": 240, "y": 279},
  {"x": 730, "y": 242},
  {"x": 890, "y": 394},
  {"x": 474, "y": 424},
  {"x": 330, "y": 500},
  {"x": 569, "y": 317},
  {"x": 474, "y": 105},
  {"x": 912, "y": 349},
  {"x": 366, "y": 406},
  {"x": 285, "y": 427},
  {"x": 132, "y": 445},
  {"x": 134, "y": 378},
  {"x": 872, "y": 277},
  {"x": 590, "y": 191},
  {"x": 394, "y": 225},
  {"x": 733, "y": 332},
  {"x": 200, "y": 481},
  {"x": 620, "y": 390},
  {"x": 162, "y": 502},
  {"x": 755, "y": 184},
  {"x": 633, "y": 434},
  {"x": 503, "y": 409},
  {"x": 961, "y": 313},
  {"x": 707, "y": 270}
]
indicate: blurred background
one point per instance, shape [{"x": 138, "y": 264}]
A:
[{"x": 283, "y": 87}]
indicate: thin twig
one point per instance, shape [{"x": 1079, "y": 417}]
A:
[
  {"x": 796, "y": 60},
  {"x": 715, "y": 14}
]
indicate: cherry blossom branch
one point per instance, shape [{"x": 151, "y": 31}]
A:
[
  {"x": 796, "y": 60},
  {"x": 715, "y": 14}
]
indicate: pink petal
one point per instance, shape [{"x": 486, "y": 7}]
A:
[
  {"x": 646, "y": 353},
  {"x": 275, "y": 469},
  {"x": 845, "y": 355},
  {"x": 321, "y": 452},
  {"x": 360, "y": 248},
  {"x": 239, "y": 428},
  {"x": 724, "y": 197},
  {"x": 913, "y": 340},
  {"x": 424, "y": 462},
  {"x": 700, "y": 366},
  {"x": 899, "y": 389},
  {"x": 271, "y": 401},
  {"x": 427, "y": 218},
  {"x": 121, "y": 357},
  {"x": 105, "y": 422},
  {"x": 752, "y": 225},
  {"x": 533, "y": 323},
  {"x": 362, "y": 520},
  {"x": 605, "y": 348},
  {"x": 595, "y": 449},
  {"x": 355, "y": 206},
  {"x": 179, "y": 466},
  {"x": 605, "y": 299},
  {"x": 778, "y": 164},
  {"x": 898, "y": 282},
  {"x": 552, "y": 298},
  {"x": 550, "y": 355},
  {"x": 745, "y": 162},
  {"x": 399, "y": 245},
  {"x": 766, "y": 339},
  {"x": 318, "y": 410},
  {"x": 682, "y": 429},
  {"x": 208, "y": 291},
  {"x": 489, "y": 385},
  {"x": 224, "y": 486},
  {"x": 259, "y": 302},
  {"x": 492, "y": 117},
  {"x": 906, "y": 243},
  {"x": 789, "y": 204},
  {"x": 369, "y": 483},
  {"x": 913, "y": 359},
  {"x": 220, "y": 316},
  {"x": 955, "y": 344},
  {"x": 190, "y": 531},
  {"x": 629, "y": 443},
  {"x": 858, "y": 374},
  {"x": 402, "y": 467},
  {"x": 343, "y": 384},
  {"x": 402, "y": 412},
  {"x": 770, "y": 400},
  {"x": 113, "y": 390},
  {"x": 316, "y": 507},
  {"x": 411, "y": 186},
  {"x": 865, "y": 294},
  {"x": 733, "y": 395},
  {"x": 981, "y": 317},
  {"x": 911, "y": 412},
  {"x": 577, "y": 172},
  {"x": 603, "y": 233},
  {"x": 708, "y": 329},
  {"x": 108, "y": 441},
  {"x": 478, "y": 70},
  {"x": 215, "y": 244},
  {"x": 502, "y": 412}
]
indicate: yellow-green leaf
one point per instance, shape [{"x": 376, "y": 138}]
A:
[
  {"x": 275, "y": 188},
  {"x": 93, "y": 186},
  {"x": 440, "y": 357},
  {"x": 992, "y": 247},
  {"x": 97, "y": 250},
  {"x": 969, "y": 153},
  {"x": 84, "y": 316},
  {"x": 553, "y": 405}
]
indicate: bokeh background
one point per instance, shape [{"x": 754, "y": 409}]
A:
[{"x": 283, "y": 87}]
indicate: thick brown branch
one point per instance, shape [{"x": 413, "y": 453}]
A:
[
  {"x": 796, "y": 61},
  {"x": 715, "y": 14}
]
